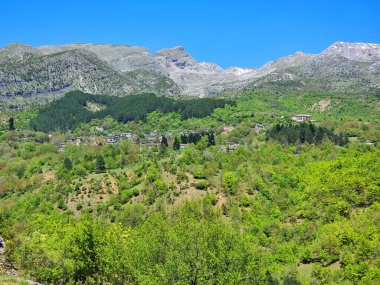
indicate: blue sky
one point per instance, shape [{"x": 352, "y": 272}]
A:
[{"x": 230, "y": 33}]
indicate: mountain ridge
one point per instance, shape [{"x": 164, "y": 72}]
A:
[{"x": 44, "y": 71}]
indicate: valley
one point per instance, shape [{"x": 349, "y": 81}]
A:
[
  {"x": 98, "y": 189},
  {"x": 190, "y": 142}
]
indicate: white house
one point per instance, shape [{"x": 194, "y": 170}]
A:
[{"x": 302, "y": 118}]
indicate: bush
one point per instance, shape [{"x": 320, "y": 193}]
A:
[
  {"x": 79, "y": 206},
  {"x": 199, "y": 172},
  {"x": 126, "y": 195},
  {"x": 202, "y": 185},
  {"x": 245, "y": 201},
  {"x": 230, "y": 181},
  {"x": 211, "y": 198}
]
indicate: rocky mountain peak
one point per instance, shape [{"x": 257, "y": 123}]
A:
[
  {"x": 18, "y": 47},
  {"x": 123, "y": 58},
  {"x": 184, "y": 69},
  {"x": 364, "y": 52},
  {"x": 299, "y": 53},
  {"x": 177, "y": 50},
  {"x": 176, "y": 57},
  {"x": 17, "y": 51},
  {"x": 292, "y": 60}
]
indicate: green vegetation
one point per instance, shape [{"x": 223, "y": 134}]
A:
[
  {"x": 74, "y": 108},
  {"x": 304, "y": 132},
  {"x": 294, "y": 203},
  {"x": 11, "y": 124}
]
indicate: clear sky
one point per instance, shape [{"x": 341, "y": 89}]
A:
[{"x": 231, "y": 33}]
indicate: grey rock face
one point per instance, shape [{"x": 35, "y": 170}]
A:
[
  {"x": 38, "y": 74},
  {"x": 175, "y": 59},
  {"x": 363, "y": 52},
  {"x": 293, "y": 60},
  {"x": 52, "y": 71},
  {"x": 121, "y": 57},
  {"x": 324, "y": 72},
  {"x": 193, "y": 77},
  {"x": 343, "y": 67}
]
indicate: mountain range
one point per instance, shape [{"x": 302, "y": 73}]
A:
[{"x": 46, "y": 72}]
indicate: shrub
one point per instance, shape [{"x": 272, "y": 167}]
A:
[
  {"x": 202, "y": 185},
  {"x": 199, "y": 172},
  {"x": 245, "y": 201},
  {"x": 79, "y": 206},
  {"x": 230, "y": 181}
]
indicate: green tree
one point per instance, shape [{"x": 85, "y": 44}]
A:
[
  {"x": 176, "y": 145},
  {"x": 100, "y": 164},
  {"x": 11, "y": 123},
  {"x": 194, "y": 248},
  {"x": 67, "y": 163},
  {"x": 82, "y": 250},
  {"x": 202, "y": 143},
  {"x": 123, "y": 161},
  {"x": 164, "y": 142},
  {"x": 230, "y": 181},
  {"x": 319, "y": 135},
  {"x": 291, "y": 278}
]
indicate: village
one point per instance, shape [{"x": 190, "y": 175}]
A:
[{"x": 151, "y": 140}]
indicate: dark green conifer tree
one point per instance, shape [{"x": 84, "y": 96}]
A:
[
  {"x": 319, "y": 135},
  {"x": 67, "y": 163},
  {"x": 11, "y": 124},
  {"x": 176, "y": 145},
  {"x": 164, "y": 142}
]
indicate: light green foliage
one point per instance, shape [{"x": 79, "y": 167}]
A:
[
  {"x": 230, "y": 181},
  {"x": 315, "y": 205},
  {"x": 153, "y": 173},
  {"x": 202, "y": 144},
  {"x": 199, "y": 172},
  {"x": 266, "y": 213},
  {"x": 158, "y": 120},
  {"x": 34, "y": 167}
]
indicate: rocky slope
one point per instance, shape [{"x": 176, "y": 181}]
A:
[
  {"x": 49, "y": 71},
  {"x": 35, "y": 73},
  {"x": 362, "y": 52},
  {"x": 121, "y": 57},
  {"x": 343, "y": 67}
]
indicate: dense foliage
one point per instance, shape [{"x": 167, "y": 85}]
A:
[
  {"x": 271, "y": 213},
  {"x": 75, "y": 108},
  {"x": 291, "y": 204},
  {"x": 305, "y": 132}
]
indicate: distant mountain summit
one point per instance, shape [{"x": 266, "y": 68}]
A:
[
  {"x": 46, "y": 72},
  {"x": 123, "y": 58},
  {"x": 363, "y": 52},
  {"x": 342, "y": 67}
]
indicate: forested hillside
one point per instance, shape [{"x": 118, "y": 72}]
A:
[
  {"x": 203, "y": 191},
  {"x": 71, "y": 110}
]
